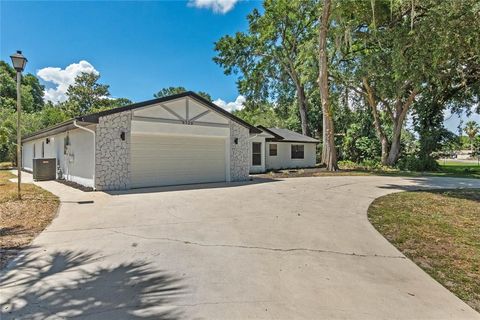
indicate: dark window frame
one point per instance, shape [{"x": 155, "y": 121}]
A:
[
  {"x": 34, "y": 151},
  {"x": 270, "y": 153},
  {"x": 297, "y": 151},
  {"x": 43, "y": 149},
  {"x": 257, "y": 155}
]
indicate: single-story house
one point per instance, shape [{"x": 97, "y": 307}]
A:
[{"x": 179, "y": 139}]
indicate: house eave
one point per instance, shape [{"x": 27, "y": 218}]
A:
[
  {"x": 56, "y": 129},
  {"x": 291, "y": 141}
]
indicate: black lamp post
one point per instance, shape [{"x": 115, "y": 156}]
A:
[{"x": 19, "y": 62}]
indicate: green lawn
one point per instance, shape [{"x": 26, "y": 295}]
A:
[
  {"x": 471, "y": 169},
  {"x": 450, "y": 169},
  {"x": 439, "y": 231}
]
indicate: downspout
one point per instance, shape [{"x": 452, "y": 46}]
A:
[
  {"x": 94, "y": 146},
  {"x": 250, "y": 138}
]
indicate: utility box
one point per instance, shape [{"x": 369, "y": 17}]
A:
[{"x": 44, "y": 169}]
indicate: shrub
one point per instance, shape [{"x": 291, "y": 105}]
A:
[{"x": 414, "y": 163}]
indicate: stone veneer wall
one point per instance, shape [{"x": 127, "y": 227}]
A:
[
  {"x": 112, "y": 154},
  {"x": 239, "y": 153}
]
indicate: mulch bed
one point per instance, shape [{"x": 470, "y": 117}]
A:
[{"x": 75, "y": 185}]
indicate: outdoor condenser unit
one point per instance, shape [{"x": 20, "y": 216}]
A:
[{"x": 44, "y": 169}]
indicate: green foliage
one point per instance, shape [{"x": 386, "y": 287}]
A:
[
  {"x": 274, "y": 57},
  {"x": 31, "y": 90},
  {"x": 366, "y": 165},
  {"x": 413, "y": 162},
  {"x": 360, "y": 142},
  {"x": 8, "y": 131},
  {"x": 86, "y": 94},
  {"x": 51, "y": 115},
  {"x": 264, "y": 115},
  {"x": 471, "y": 129},
  {"x": 176, "y": 90},
  {"x": 424, "y": 51}
]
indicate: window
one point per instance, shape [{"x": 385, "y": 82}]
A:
[
  {"x": 272, "y": 149},
  {"x": 297, "y": 151},
  {"x": 34, "y": 153},
  {"x": 256, "y": 153},
  {"x": 43, "y": 149}
]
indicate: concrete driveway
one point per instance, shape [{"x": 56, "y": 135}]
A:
[{"x": 300, "y": 248}]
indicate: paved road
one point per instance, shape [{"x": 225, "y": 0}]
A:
[{"x": 300, "y": 248}]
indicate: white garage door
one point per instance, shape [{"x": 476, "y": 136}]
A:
[{"x": 159, "y": 160}]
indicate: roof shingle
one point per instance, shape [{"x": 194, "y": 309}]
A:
[{"x": 292, "y": 136}]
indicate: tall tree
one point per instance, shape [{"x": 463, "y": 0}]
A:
[
  {"x": 471, "y": 129},
  {"x": 407, "y": 57},
  {"x": 176, "y": 90},
  {"x": 270, "y": 56},
  {"x": 329, "y": 154},
  {"x": 450, "y": 31},
  {"x": 86, "y": 94}
]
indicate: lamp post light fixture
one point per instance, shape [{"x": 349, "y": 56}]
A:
[{"x": 19, "y": 62}]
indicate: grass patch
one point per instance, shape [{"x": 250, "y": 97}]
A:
[
  {"x": 439, "y": 231},
  {"x": 464, "y": 169},
  {"x": 22, "y": 220}
]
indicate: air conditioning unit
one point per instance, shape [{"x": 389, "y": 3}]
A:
[{"x": 44, "y": 169}]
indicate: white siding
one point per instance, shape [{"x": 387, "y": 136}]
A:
[
  {"x": 27, "y": 155},
  {"x": 78, "y": 167},
  {"x": 283, "y": 158}
]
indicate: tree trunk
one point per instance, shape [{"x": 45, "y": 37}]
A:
[
  {"x": 324, "y": 139},
  {"x": 398, "y": 121},
  {"x": 376, "y": 121},
  {"x": 394, "y": 153},
  {"x": 390, "y": 153},
  {"x": 302, "y": 106},
  {"x": 384, "y": 156},
  {"x": 329, "y": 153}
]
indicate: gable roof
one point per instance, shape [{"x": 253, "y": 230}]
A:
[
  {"x": 285, "y": 135},
  {"x": 93, "y": 117}
]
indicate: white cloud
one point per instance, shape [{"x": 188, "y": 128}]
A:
[
  {"x": 218, "y": 6},
  {"x": 62, "y": 79},
  {"x": 231, "y": 106}
]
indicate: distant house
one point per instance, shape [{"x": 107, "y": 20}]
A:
[
  {"x": 179, "y": 139},
  {"x": 464, "y": 155}
]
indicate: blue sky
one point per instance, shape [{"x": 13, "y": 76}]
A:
[{"x": 137, "y": 47}]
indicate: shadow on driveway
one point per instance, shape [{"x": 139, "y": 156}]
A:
[
  {"x": 425, "y": 183},
  {"x": 187, "y": 187},
  {"x": 64, "y": 285}
]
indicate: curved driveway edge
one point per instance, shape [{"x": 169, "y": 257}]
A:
[{"x": 299, "y": 248}]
